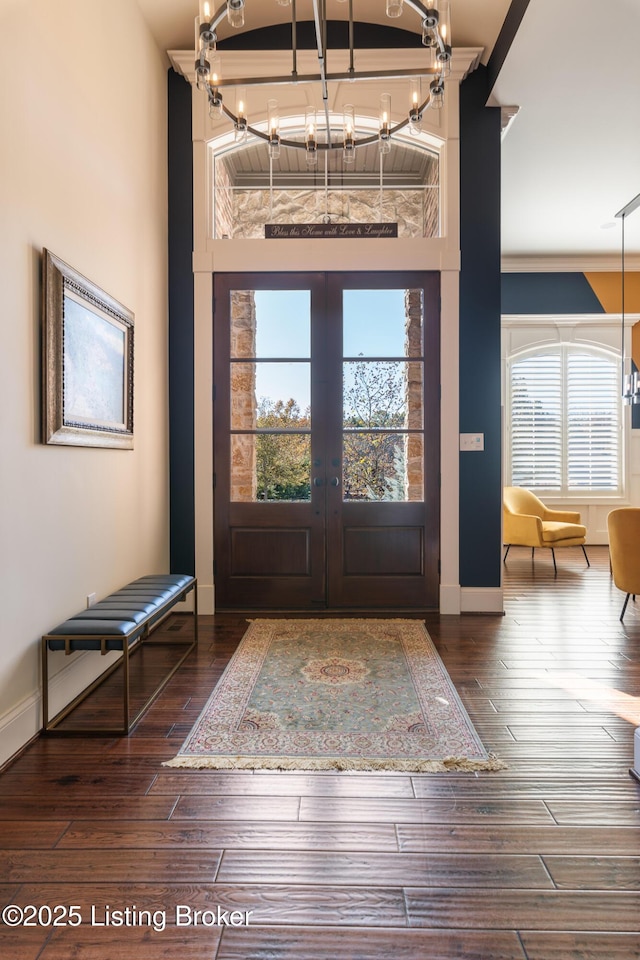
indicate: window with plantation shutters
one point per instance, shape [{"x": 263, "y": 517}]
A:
[{"x": 565, "y": 435}]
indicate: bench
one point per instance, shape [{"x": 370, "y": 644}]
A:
[{"x": 121, "y": 621}]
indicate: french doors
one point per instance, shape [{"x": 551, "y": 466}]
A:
[{"x": 326, "y": 440}]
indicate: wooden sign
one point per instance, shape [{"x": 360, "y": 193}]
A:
[{"x": 329, "y": 231}]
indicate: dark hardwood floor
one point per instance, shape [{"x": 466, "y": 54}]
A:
[{"x": 540, "y": 861}]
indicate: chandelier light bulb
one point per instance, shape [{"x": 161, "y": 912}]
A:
[
  {"x": 310, "y": 136},
  {"x": 394, "y": 8},
  {"x": 273, "y": 129},
  {"x": 215, "y": 97},
  {"x": 241, "y": 123},
  {"x": 202, "y": 73},
  {"x": 235, "y": 13},
  {"x": 348, "y": 133},
  {"x": 384, "y": 132},
  {"x": 415, "y": 114},
  {"x": 436, "y": 93}
]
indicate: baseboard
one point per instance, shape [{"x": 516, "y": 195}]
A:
[
  {"x": 206, "y": 599},
  {"x": 481, "y": 600},
  {"x": 18, "y": 726},
  {"x": 450, "y": 599},
  {"x": 24, "y": 721}
]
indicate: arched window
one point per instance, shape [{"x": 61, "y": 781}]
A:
[{"x": 564, "y": 422}]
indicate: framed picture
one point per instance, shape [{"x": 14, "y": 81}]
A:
[{"x": 87, "y": 362}]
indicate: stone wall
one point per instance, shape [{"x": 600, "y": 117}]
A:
[
  {"x": 414, "y": 443},
  {"x": 243, "y": 395},
  {"x": 223, "y": 200},
  {"x": 242, "y": 214}
]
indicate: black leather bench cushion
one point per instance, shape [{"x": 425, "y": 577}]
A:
[
  {"x": 175, "y": 580},
  {"x": 145, "y": 593},
  {"x": 100, "y": 612},
  {"x": 124, "y": 604},
  {"x": 123, "y": 614}
]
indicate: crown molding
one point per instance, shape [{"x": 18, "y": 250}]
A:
[
  {"x": 607, "y": 263},
  {"x": 567, "y": 319},
  {"x": 507, "y": 116}
]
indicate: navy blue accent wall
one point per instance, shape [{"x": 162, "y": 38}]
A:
[
  {"x": 480, "y": 472},
  {"x": 544, "y": 293},
  {"x": 181, "y": 412},
  {"x": 508, "y": 31}
]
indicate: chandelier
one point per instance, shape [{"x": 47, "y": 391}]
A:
[{"x": 436, "y": 37}]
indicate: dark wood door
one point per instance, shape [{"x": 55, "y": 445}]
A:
[{"x": 326, "y": 440}]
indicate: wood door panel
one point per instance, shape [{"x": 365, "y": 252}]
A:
[
  {"x": 272, "y": 551},
  {"x": 390, "y": 551}
]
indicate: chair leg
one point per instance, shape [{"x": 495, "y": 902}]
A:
[
  {"x": 585, "y": 554},
  {"x": 504, "y": 559},
  {"x": 532, "y": 550},
  {"x": 625, "y": 606},
  {"x": 553, "y": 554}
]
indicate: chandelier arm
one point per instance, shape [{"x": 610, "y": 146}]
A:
[
  {"x": 330, "y": 77},
  {"x": 351, "y": 40},
  {"x": 218, "y": 17},
  {"x": 418, "y": 7},
  {"x": 294, "y": 41},
  {"x": 321, "y": 55},
  {"x": 320, "y": 26}
]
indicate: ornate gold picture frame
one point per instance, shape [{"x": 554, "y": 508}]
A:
[{"x": 87, "y": 361}]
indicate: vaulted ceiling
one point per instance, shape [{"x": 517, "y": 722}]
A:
[{"x": 571, "y": 156}]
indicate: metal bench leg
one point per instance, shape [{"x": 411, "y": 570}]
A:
[
  {"x": 195, "y": 611},
  {"x": 45, "y": 685},
  {"x": 125, "y": 681},
  {"x": 504, "y": 559},
  {"x": 553, "y": 554},
  {"x": 585, "y": 554}
]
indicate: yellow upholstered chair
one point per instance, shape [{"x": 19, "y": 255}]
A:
[
  {"x": 624, "y": 550},
  {"x": 528, "y": 523}
]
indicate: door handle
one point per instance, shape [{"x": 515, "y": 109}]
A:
[
  {"x": 335, "y": 481},
  {"x": 318, "y": 481}
]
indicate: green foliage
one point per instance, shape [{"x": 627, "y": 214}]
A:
[
  {"x": 374, "y": 463},
  {"x": 374, "y": 400},
  {"x": 282, "y": 459}
]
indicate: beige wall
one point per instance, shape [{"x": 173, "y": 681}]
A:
[{"x": 83, "y": 173}]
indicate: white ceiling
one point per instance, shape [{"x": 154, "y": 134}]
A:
[{"x": 571, "y": 157}]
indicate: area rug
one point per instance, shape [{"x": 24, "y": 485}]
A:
[{"x": 335, "y": 695}]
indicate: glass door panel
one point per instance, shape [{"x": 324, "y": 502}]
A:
[
  {"x": 270, "y": 395},
  {"x": 383, "y": 399}
]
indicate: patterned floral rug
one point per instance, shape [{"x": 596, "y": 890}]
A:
[{"x": 335, "y": 695}]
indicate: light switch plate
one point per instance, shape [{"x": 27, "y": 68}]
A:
[{"x": 472, "y": 441}]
